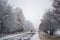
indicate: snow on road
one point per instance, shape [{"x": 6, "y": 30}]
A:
[
  {"x": 35, "y": 37},
  {"x": 22, "y": 36}
]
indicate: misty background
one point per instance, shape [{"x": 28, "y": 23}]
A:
[
  {"x": 18, "y": 17},
  {"x": 33, "y": 10}
]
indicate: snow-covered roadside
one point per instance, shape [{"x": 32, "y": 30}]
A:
[
  {"x": 35, "y": 37},
  {"x": 18, "y": 36}
]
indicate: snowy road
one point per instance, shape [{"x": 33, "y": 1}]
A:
[
  {"x": 22, "y": 36},
  {"x": 35, "y": 37}
]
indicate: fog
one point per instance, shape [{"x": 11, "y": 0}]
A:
[{"x": 33, "y": 10}]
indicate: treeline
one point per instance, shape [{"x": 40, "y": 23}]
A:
[
  {"x": 51, "y": 19},
  {"x": 11, "y": 20}
]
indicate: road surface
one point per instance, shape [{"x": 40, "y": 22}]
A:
[
  {"x": 35, "y": 37},
  {"x": 19, "y": 36}
]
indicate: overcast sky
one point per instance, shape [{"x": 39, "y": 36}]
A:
[{"x": 32, "y": 9}]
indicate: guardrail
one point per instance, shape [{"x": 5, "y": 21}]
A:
[{"x": 19, "y": 36}]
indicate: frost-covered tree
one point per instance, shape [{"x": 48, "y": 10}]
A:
[
  {"x": 7, "y": 22},
  {"x": 28, "y": 26},
  {"x": 51, "y": 19},
  {"x": 49, "y": 28},
  {"x": 21, "y": 23},
  {"x": 19, "y": 18}
]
